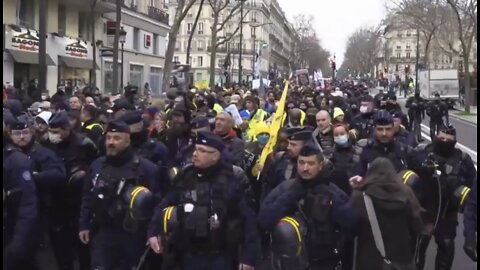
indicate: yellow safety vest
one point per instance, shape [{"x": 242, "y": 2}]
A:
[
  {"x": 302, "y": 118},
  {"x": 259, "y": 116},
  {"x": 91, "y": 126},
  {"x": 217, "y": 108}
]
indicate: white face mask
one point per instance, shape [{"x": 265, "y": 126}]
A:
[
  {"x": 363, "y": 109},
  {"x": 54, "y": 138},
  {"x": 341, "y": 140}
]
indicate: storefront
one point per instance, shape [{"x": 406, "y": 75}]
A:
[
  {"x": 20, "y": 56},
  {"x": 75, "y": 61}
]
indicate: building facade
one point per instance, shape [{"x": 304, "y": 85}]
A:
[
  {"x": 258, "y": 26},
  {"x": 398, "y": 51},
  {"x": 69, "y": 42}
]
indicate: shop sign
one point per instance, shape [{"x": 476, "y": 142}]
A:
[
  {"x": 25, "y": 42},
  {"x": 76, "y": 49}
]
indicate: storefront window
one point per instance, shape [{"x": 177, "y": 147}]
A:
[
  {"x": 156, "y": 80},
  {"x": 136, "y": 76},
  {"x": 108, "y": 75}
]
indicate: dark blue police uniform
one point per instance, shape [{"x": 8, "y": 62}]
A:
[{"x": 20, "y": 210}]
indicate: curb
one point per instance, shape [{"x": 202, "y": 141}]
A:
[{"x": 456, "y": 117}]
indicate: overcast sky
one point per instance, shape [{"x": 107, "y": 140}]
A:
[{"x": 335, "y": 20}]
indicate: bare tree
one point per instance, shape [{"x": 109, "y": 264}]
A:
[
  {"x": 309, "y": 50},
  {"x": 194, "y": 27},
  {"x": 466, "y": 31},
  {"x": 426, "y": 16},
  {"x": 115, "y": 46},
  {"x": 183, "y": 6},
  {"x": 228, "y": 10},
  {"x": 362, "y": 49},
  {"x": 93, "y": 71}
]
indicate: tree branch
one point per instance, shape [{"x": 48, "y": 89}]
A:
[{"x": 230, "y": 15}]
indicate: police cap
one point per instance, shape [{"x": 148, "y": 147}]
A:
[
  {"x": 131, "y": 117},
  {"x": 200, "y": 122},
  {"x": 122, "y": 104},
  {"x": 302, "y": 135},
  {"x": 118, "y": 126},
  {"x": 383, "y": 118},
  {"x": 397, "y": 114},
  {"x": 310, "y": 149},
  {"x": 59, "y": 120},
  {"x": 449, "y": 130},
  {"x": 211, "y": 140},
  {"x": 21, "y": 122},
  {"x": 8, "y": 117}
]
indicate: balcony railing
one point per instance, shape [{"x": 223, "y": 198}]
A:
[
  {"x": 157, "y": 14},
  {"x": 234, "y": 51}
]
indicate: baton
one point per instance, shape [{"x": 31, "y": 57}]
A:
[{"x": 142, "y": 259}]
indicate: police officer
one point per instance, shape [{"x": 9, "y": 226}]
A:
[
  {"x": 363, "y": 123},
  {"x": 214, "y": 207},
  {"x": 91, "y": 127},
  {"x": 449, "y": 186},
  {"x": 401, "y": 133},
  {"x": 20, "y": 210},
  {"x": 470, "y": 223},
  {"x": 77, "y": 153},
  {"x": 283, "y": 167},
  {"x": 49, "y": 172},
  {"x": 381, "y": 144},
  {"x": 416, "y": 113},
  {"x": 436, "y": 110},
  {"x": 322, "y": 204},
  {"x": 117, "y": 202}
]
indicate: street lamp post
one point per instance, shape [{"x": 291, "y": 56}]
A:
[
  {"x": 241, "y": 40},
  {"x": 416, "y": 62},
  {"x": 122, "y": 37},
  {"x": 254, "y": 26}
]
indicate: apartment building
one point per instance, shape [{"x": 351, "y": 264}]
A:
[
  {"x": 398, "y": 49},
  {"x": 69, "y": 42}
]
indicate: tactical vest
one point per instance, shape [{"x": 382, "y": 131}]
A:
[
  {"x": 109, "y": 187},
  {"x": 326, "y": 142},
  {"x": 399, "y": 154},
  {"x": 204, "y": 222},
  {"x": 364, "y": 128},
  {"x": 322, "y": 237},
  {"x": 146, "y": 149},
  {"x": 91, "y": 126}
]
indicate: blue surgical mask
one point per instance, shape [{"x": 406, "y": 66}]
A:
[
  {"x": 341, "y": 140},
  {"x": 263, "y": 139}
]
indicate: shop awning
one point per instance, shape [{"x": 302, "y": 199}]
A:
[
  {"x": 28, "y": 57},
  {"x": 76, "y": 62}
]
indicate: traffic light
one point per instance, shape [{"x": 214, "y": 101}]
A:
[{"x": 407, "y": 69}]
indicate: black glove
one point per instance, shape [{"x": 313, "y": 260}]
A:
[{"x": 470, "y": 248}]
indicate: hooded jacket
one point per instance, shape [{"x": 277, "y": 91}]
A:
[{"x": 398, "y": 215}]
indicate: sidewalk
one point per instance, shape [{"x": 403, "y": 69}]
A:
[{"x": 457, "y": 113}]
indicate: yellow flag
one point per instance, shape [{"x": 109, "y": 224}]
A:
[{"x": 274, "y": 127}]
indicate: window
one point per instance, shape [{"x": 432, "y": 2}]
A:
[
  {"x": 408, "y": 33},
  {"x": 398, "y": 55},
  {"x": 254, "y": 16},
  {"x": 108, "y": 75},
  {"x": 199, "y": 76},
  {"x": 62, "y": 20},
  {"x": 200, "y": 45},
  {"x": 189, "y": 28},
  {"x": 136, "y": 38},
  {"x": 136, "y": 76},
  {"x": 408, "y": 45},
  {"x": 26, "y": 13},
  {"x": 155, "y": 80},
  {"x": 190, "y": 60},
  {"x": 253, "y": 31},
  {"x": 155, "y": 44},
  {"x": 200, "y": 28},
  {"x": 177, "y": 45},
  {"x": 408, "y": 55},
  {"x": 176, "y": 59},
  {"x": 396, "y": 67},
  {"x": 200, "y": 61},
  {"x": 399, "y": 47},
  {"x": 83, "y": 29}
]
